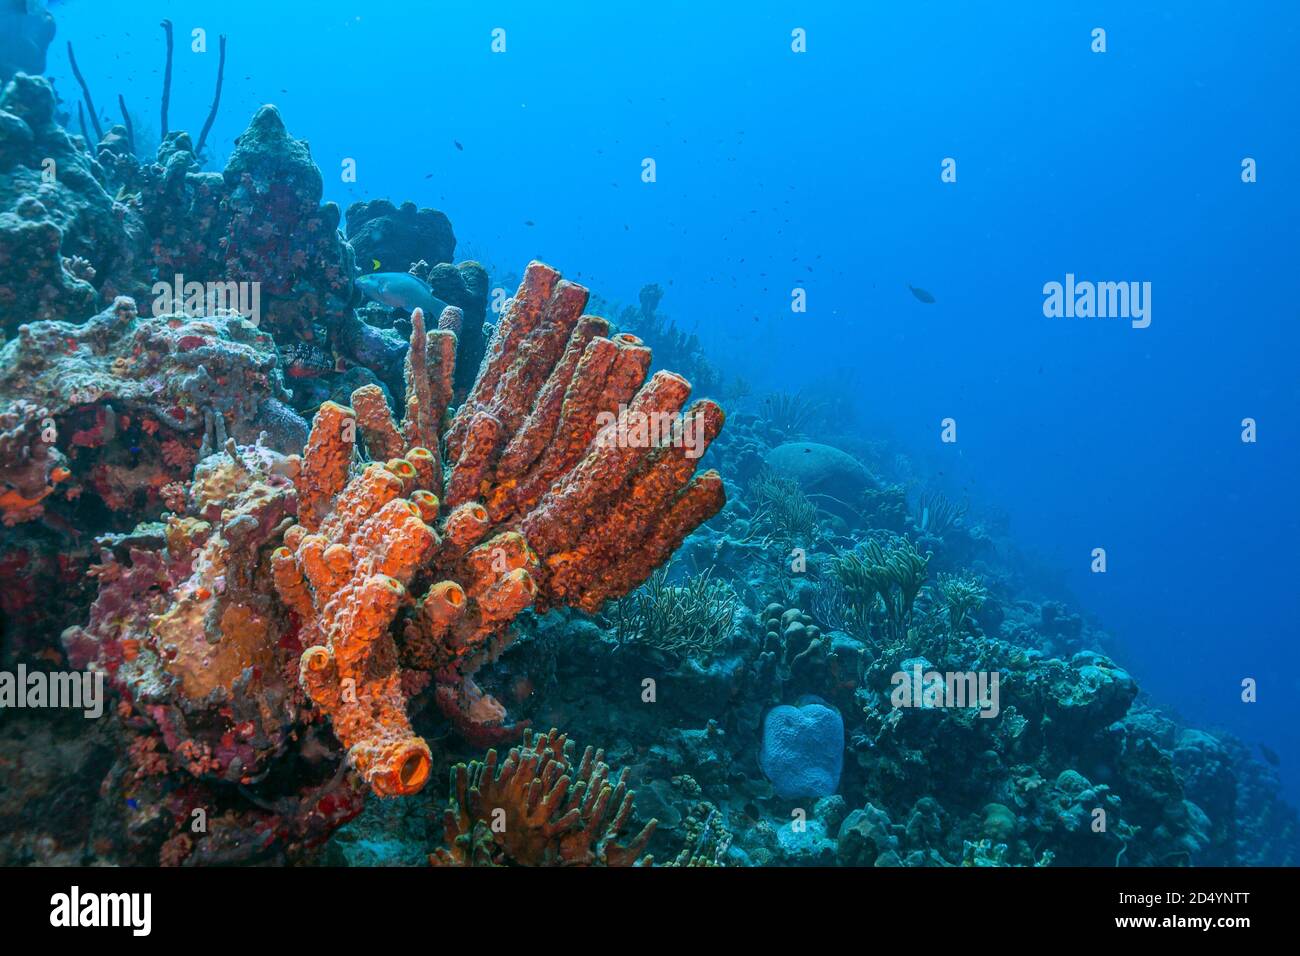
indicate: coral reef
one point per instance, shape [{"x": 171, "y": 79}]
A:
[
  {"x": 254, "y": 236},
  {"x": 473, "y": 537},
  {"x": 211, "y": 663}
]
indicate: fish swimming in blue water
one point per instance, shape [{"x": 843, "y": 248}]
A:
[
  {"x": 922, "y": 295},
  {"x": 401, "y": 290}
]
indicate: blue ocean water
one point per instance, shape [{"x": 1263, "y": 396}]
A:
[{"x": 821, "y": 171}]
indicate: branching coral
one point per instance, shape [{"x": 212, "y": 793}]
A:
[
  {"x": 688, "y": 620},
  {"x": 891, "y": 575},
  {"x": 789, "y": 416},
  {"x": 937, "y": 514},
  {"x": 539, "y": 503},
  {"x": 962, "y": 595},
  {"x": 539, "y": 808},
  {"x": 837, "y": 609},
  {"x": 783, "y": 511}
]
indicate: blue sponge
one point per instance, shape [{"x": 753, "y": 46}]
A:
[{"x": 803, "y": 750}]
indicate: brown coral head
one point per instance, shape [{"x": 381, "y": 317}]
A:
[
  {"x": 627, "y": 338},
  {"x": 427, "y": 504}
]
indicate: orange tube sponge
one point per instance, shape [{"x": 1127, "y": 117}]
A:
[
  {"x": 564, "y": 478},
  {"x": 325, "y": 462},
  {"x": 537, "y": 430},
  {"x": 522, "y": 315},
  {"x": 347, "y": 581},
  {"x": 376, "y": 423}
]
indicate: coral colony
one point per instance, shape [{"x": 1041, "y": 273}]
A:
[{"x": 289, "y": 541}]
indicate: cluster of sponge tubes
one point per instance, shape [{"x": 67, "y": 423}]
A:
[{"x": 524, "y": 497}]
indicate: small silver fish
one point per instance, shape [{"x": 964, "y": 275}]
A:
[{"x": 401, "y": 290}]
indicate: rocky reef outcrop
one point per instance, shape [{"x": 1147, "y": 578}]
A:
[
  {"x": 122, "y": 404},
  {"x": 397, "y": 237},
  {"x": 66, "y": 244},
  {"x": 267, "y": 616}
]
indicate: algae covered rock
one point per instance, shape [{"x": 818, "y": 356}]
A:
[
  {"x": 280, "y": 234},
  {"x": 398, "y": 236},
  {"x": 65, "y": 243},
  {"x": 1095, "y": 692}
]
